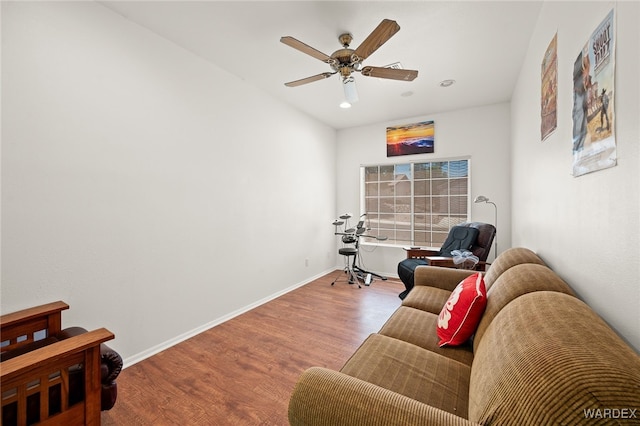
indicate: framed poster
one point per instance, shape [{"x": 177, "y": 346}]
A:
[
  {"x": 549, "y": 95},
  {"x": 417, "y": 138},
  {"x": 594, "y": 143}
]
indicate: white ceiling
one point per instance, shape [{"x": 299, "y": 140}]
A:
[{"x": 480, "y": 44}]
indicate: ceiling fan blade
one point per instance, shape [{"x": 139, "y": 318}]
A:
[
  {"x": 309, "y": 79},
  {"x": 391, "y": 73},
  {"x": 304, "y": 48},
  {"x": 383, "y": 32}
]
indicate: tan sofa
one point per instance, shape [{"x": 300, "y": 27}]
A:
[{"x": 540, "y": 356}]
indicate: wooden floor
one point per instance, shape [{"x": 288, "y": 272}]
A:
[{"x": 242, "y": 372}]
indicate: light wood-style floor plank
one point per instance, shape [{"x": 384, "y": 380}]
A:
[{"x": 242, "y": 372}]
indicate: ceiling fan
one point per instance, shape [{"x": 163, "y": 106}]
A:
[{"x": 345, "y": 61}]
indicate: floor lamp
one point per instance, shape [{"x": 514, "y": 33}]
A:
[{"x": 483, "y": 199}]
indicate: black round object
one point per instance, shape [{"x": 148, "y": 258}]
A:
[
  {"x": 348, "y": 251},
  {"x": 349, "y": 239}
]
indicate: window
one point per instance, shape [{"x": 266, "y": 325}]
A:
[{"x": 415, "y": 203}]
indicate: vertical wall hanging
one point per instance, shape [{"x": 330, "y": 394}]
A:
[
  {"x": 594, "y": 143},
  {"x": 549, "y": 94}
]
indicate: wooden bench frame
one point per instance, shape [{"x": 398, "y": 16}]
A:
[{"x": 37, "y": 371}]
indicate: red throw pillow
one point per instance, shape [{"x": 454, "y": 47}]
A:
[{"x": 461, "y": 314}]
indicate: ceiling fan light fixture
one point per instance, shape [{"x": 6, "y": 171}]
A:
[{"x": 350, "y": 92}]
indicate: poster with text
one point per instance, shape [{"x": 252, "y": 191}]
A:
[
  {"x": 549, "y": 95},
  {"x": 594, "y": 144}
]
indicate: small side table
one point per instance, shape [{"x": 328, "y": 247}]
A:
[
  {"x": 445, "y": 262},
  {"x": 419, "y": 252}
]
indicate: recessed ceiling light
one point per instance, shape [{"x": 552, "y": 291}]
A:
[
  {"x": 447, "y": 83},
  {"x": 394, "y": 66},
  {"x": 345, "y": 104}
]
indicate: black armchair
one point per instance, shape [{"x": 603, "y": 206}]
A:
[{"x": 475, "y": 237}]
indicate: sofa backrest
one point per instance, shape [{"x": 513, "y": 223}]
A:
[
  {"x": 547, "y": 358},
  {"x": 508, "y": 259},
  {"x": 514, "y": 282}
]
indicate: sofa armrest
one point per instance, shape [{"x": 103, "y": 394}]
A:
[
  {"x": 20, "y": 328},
  {"x": 111, "y": 361},
  {"x": 110, "y": 367},
  {"x": 327, "y": 397},
  {"x": 22, "y": 377},
  {"x": 59, "y": 350},
  {"x": 444, "y": 278}
]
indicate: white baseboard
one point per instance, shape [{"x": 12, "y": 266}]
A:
[{"x": 129, "y": 361}]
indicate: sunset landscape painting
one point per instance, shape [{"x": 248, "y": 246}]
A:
[{"x": 408, "y": 139}]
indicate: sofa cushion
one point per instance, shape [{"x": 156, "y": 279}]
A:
[
  {"x": 461, "y": 313},
  {"x": 513, "y": 283},
  {"x": 413, "y": 372},
  {"x": 547, "y": 358},
  {"x": 415, "y": 326}
]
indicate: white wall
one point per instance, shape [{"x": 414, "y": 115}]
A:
[
  {"x": 152, "y": 191},
  {"x": 585, "y": 228},
  {"x": 481, "y": 133}
]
